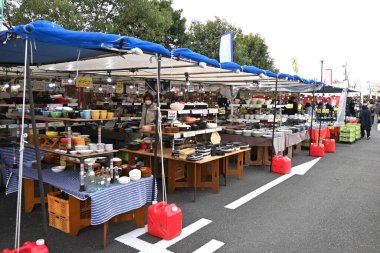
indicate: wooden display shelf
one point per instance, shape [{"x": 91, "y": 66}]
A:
[
  {"x": 76, "y": 155},
  {"x": 50, "y": 119}
]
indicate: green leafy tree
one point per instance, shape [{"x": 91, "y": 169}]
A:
[
  {"x": 151, "y": 20},
  {"x": 249, "y": 49}
]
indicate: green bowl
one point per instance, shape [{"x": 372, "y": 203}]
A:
[{"x": 56, "y": 114}]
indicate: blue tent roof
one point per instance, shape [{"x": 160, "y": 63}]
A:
[
  {"x": 185, "y": 53},
  {"x": 52, "y": 44}
]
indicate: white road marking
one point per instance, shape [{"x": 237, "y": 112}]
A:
[
  {"x": 299, "y": 170},
  {"x": 131, "y": 239},
  {"x": 303, "y": 168},
  {"x": 210, "y": 247},
  {"x": 257, "y": 192},
  {"x": 185, "y": 233}
]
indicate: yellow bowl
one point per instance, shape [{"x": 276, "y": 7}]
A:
[{"x": 52, "y": 133}]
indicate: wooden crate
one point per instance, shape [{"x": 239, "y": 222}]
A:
[
  {"x": 57, "y": 205},
  {"x": 59, "y": 222},
  {"x": 59, "y": 211}
]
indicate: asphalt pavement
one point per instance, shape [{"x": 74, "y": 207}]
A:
[{"x": 334, "y": 207}]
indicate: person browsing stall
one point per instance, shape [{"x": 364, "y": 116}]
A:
[
  {"x": 365, "y": 121},
  {"x": 148, "y": 115}
]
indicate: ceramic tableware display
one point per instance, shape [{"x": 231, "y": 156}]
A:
[
  {"x": 108, "y": 147},
  {"x": 95, "y": 114},
  {"x": 103, "y": 114},
  {"x": 110, "y": 115},
  {"x": 87, "y": 114}
]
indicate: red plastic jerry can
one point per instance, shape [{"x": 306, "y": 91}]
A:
[
  {"x": 281, "y": 164},
  {"x": 317, "y": 150},
  {"x": 30, "y": 247},
  {"x": 164, "y": 220},
  {"x": 329, "y": 145}
]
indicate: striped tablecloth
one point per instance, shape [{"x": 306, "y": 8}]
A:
[
  {"x": 6, "y": 157},
  {"x": 105, "y": 204}
]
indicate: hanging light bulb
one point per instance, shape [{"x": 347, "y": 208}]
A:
[
  {"x": 187, "y": 83},
  {"x": 70, "y": 80},
  {"x": 131, "y": 86},
  {"x": 6, "y": 86},
  {"x": 109, "y": 79},
  {"x": 187, "y": 78},
  {"x": 100, "y": 88},
  {"x": 113, "y": 87}
]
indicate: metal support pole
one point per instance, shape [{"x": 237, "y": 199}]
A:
[
  {"x": 320, "y": 119},
  {"x": 274, "y": 123},
  {"x": 312, "y": 117},
  {"x": 35, "y": 142},
  {"x": 155, "y": 162}
]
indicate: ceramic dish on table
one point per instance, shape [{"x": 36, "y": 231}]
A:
[
  {"x": 257, "y": 133},
  {"x": 57, "y": 169},
  {"x": 247, "y": 133},
  {"x": 238, "y": 132},
  {"x": 124, "y": 180},
  {"x": 85, "y": 151}
]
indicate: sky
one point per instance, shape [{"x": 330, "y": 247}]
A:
[{"x": 335, "y": 31}]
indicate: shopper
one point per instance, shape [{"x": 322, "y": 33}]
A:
[
  {"x": 148, "y": 110},
  {"x": 308, "y": 109},
  {"x": 365, "y": 122},
  {"x": 352, "y": 108},
  {"x": 372, "y": 107}
]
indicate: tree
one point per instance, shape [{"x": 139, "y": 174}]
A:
[
  {"x": 151, "y": 20},
  {"x": 249, "y": 49},
  {"x": 205, "y": 38}
]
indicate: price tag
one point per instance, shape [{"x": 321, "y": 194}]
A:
[
  {"x": 222, "y": 111},
  {"x": 234, "y": 105},
  {"x": 289, "y": 106},
  {"x": 12, "y": 126},
  {"x": 189, "y": 134},
  {"x": 126, "y": 103},
  {"x": 72, "y": 104},
  {"x": 210, "y": 130},
  {"x": 137, "y": 104},
  {"x": 177, "y": 135},
  {"x": 3, "y": 126},
  {"x": 213, "y": 110},
  {"x": 325, "y": 111},
  {"x": 184, "y": 112},
  {"x": 172, "y": 115},
  {"x": 218, "y": 129},
  {"x": 197, "y": 111}
]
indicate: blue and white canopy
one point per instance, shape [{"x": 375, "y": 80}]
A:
[{"x": 60, "y": 51}]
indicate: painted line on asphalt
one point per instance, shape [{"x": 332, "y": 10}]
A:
[
  {"x": 161, "y": 246},
  {"x": 185, "y": 233},
  {"x": 210, "y": 247},
  {"x": 297, "y": 170}
]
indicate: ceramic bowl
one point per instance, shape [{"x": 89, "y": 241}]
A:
[
  {"x": 51, "y": 133},
  {"x": 73, "y": 152},
  {"x": 85, "y": 151},
  {"x": 56, "y": 114},
  {"x": 79, "y": 148},
  {"x": 177, "y": 106},
  {"x": 57, "y": 169},
  {"x": 46, "y": 113},
  {"x": 124, "y": 180}
]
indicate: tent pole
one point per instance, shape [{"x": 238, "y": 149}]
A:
[
  {"x": 312, "y": 117},
  {"x": 157, "y": 121},
  {"x": 35, "y": 142},
  {"x": 274, "y": 124}
]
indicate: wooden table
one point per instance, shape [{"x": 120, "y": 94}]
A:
[{"x": 219, "y": 165}]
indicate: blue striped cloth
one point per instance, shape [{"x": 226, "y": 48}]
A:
[
  {"x": 6, "y": 157},
  {"x": 105, "y": 204}
]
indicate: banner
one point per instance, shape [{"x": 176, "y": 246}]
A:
[
  {"x": 226, "y": 48},
  {"x": 341, "y": 116},
  {"x": 119, "y": 87},
  {"x": 328, "y": 77},
  {"x": 84, "y": 81}
]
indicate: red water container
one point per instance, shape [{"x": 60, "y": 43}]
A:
[
  {"x": 281, "y": 164},
  {"x": 329, "y": 145},
  {"x": 317, "y": 150},
  {"x": 30, "y": 247},
  {"x": 164, "y": 220}
]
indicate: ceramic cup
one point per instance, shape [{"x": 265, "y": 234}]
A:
[
  {"x": 100, "y": 146},
  {"x": 93, "y": 146},
  {"x": 103, "y": 114},
  {"x": 110, "y": 115},
  {"x": 95, "y": 114},
  {"x": 81, "y": 115},
  {"x": 109, "y": 147},
  {"x": 87, "y": 114}
]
